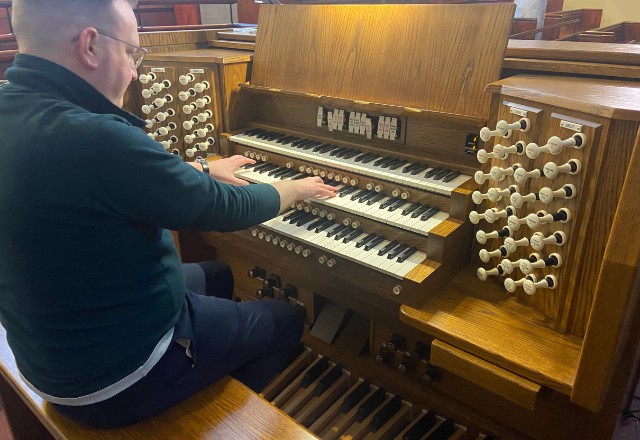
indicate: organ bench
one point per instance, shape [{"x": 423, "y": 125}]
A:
[{"x": 226, "y": 410}]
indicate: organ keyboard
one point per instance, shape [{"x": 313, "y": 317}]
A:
[{"x": 520, "y": 337}]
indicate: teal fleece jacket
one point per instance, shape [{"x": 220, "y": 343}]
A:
[{"x": 89, "y": 276}]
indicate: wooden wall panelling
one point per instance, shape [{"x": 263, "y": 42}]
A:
[
  {"x": 5, "y": 21},
  {"x": 319, "y": 65},
  {"x": 523, "y": 25},
  {"x": 247, "y": 11},
  {"x": 587, "y": 19},
  {"x": 187, "y": 14}
]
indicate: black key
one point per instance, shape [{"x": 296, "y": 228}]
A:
[
  {"x": 320, "y": 147},
  {"x": 252, "y": 132},
  {"x": 351, "y": 154},
  {"x": 301, "y": 143},
  {"x": 429, "y": 213},
  {"x": 352, "y": 235},
  {"x": 251, "y": 165},
  {"x": 441, "y": 174},
  {"x": 390, "y": 202},
  {"x": 370, "y": 158},
  {"x": 263, "y": 134},
  {"x": 419, "y": 169},
  {"x": 340, "y": 235},
  {"x": 387, "y": 411},
  {"x": 391, "y": 162},
  {"x": 285, "y": 140},
  {"x": 277, "y": 171},
  {"x": 380, "y": 162},
  {"x": 297, "y": 217},
  {"x": 369, "y": 405},
  {"x": 290, "y": 173},
  {"x": 316, "y": 223},
  {"x": 410, "y": 209},
  {"x": 355, "y": 396},
  {"x": 290, "y": 215},
  {"x": 268, "y": 168},
  {"x": 344, "y": 152},
  {"x": 365, "y": 240},
  {"x": 368, "y": 196},
  {"x": 336, "y": 230},
  {"x": 362, "y": 195},
  {"x": 301, "y": 176},
  {"x": 361, "y": 156},
  {"x": 406, "y": 254},
  {"x": 314, "y": 372},
  {"x": 397, "y": 165},
  {"x": 443, "y": 432},
  {"x": 346, "y": 190},
  {"x": 324, "y": 226},
  {"x": 397, "y": 251},
  {"x": 397, "y": 204},
  {"x": 379, "y": 196},
  {"x": 329, "y": 379},
  {"x": 432, "y": 172},
  {"x": 423, "y": 426},
  {"x": 276, "y": 136},
  {"x": 359, "y": 194},
  {"x": 387, "y": 248},
  {"x": 328, "y": 148},
  {"x": 421, "y": 210},
  {"x": 373, "y": 243},
  {"x": 337, "y": 151},
  {"x": 452, "y": 175},
  {"x": 410, "y": 167},
  {"x": 304, "y": 220},
  {"x": 309, "y": 145},
  {"x": 261, "y": 166}
]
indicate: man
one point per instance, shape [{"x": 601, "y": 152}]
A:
[{"x": 92, "y": 293}]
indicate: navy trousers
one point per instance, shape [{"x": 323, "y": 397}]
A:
[{"x": 252, "y": 341}]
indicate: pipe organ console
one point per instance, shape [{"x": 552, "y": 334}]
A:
[{"x": 476, "y": 275}]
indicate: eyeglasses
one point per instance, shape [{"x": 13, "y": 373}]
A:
[{"x": 136, "y": 57}]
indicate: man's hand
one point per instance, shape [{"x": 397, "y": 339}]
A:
[
  {"x": 222, "y": 169},
  {"x": 309, "y": 187}
]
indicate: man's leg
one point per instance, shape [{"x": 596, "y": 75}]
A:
[
  {"x": 211, "y": 278},
  {"x": 252, "y": 341}
]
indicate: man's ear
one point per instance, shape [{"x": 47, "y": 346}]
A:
[{"x": 86, "y": 48}]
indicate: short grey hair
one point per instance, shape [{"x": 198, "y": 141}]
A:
[{"x": 42, "y": 19}]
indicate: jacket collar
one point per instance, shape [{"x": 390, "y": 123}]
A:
[{"x": 42, "y": 75}]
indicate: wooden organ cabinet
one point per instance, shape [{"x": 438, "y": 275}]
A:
[
  {"x": 184, "y": 97},
  {"x": 476, "y": 276}
]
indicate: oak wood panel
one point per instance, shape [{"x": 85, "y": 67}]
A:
[
  {"x": 226, "y": 409},
  {"x": 613, "y": 99},
  {"x": 519, "y": 65},
  {"x": 208, "y": 56},
  {"x": 321, "y": 57},
  {"x": 615, "y": 299},
  {"x": 521, "y": 391},
  {"x": 622, "y": 54},
  {"x": 477, "y": 317}
]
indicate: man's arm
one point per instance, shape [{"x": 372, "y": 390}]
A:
[{"x": 289, "y": 190}]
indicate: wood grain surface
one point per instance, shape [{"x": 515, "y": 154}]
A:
[{"x": 324, "y": 50}]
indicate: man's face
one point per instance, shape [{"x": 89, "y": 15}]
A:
[{"x": 117, "y": 68}]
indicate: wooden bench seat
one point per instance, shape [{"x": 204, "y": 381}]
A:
[{"x": 225, "y": 410}]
